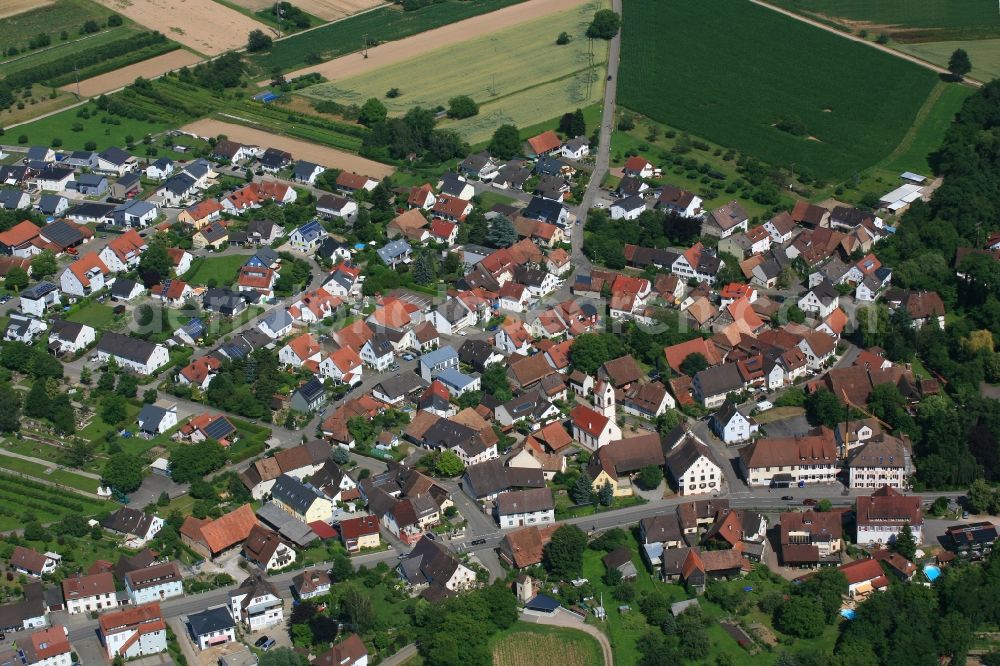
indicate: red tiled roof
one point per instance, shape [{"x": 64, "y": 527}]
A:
[
  {"x": 19, "y": 234},
  {"x": 588, "y": 420},
  {"x": 84, "y": 264},
  {"x": 544, "y": 142}
]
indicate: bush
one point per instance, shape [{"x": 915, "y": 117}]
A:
[
  {"x": 258, "y": 41},
  {"x": 462, "y": 106},
  {"x": 114, "y": 21},
  {"x": 563, "y": 39},
  {"x": 605, "y": 25}
]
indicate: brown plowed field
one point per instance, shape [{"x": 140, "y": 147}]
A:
[{"x": 120, "y": 78}]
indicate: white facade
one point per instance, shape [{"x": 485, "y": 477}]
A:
[
  {"x": 877, "y": 476},
  {"x": 380, "y": 363},
  {"x": 94, "y": 602},
  {"x": 159, "y": 358},
  {"x": 262, "y": 612},
  {"x": 528, "y": 518},
  {"x": 38, "y": 306},
  {"x": 157, "y": 592},
  {"x": 70, "y": 284},
  {"x": 702, "y": 477},
  {"x": 871, "y": 534},
  {"x": 811, "y": 304}
]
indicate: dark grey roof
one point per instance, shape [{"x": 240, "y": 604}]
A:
[
  {"x": 429, "y": 562},
  {"x": 274, "y": 158},
  {"x": 525, "y": 501},
  {"x": 150, "y": 417},
  {"x": 39, "y": 290},
  {"x": 474, "y": 352},
  {"x": 214, "y": 232},
  {"x": 129, "y": 179},
  {"x": 680, "y": 458},
  {"x": 544, "y": 210},
  {"x": 452, "y": 184},
  {"x": 401, "y": 385},
  {"x": 179, "y": 184},
  {"x": 296, "y": 494},
  {"x": 61, "y": 233},
  {"x": 128, "y": 521},
  {"x": 122, "y": 287},
  {"x": 11, "y": 198},
  {"x": 48, "y": 203},
  {"x": 124, "y": 346},
  {"x": 631, "y": 202},
  {"x": 310, "y": 391},
  {"x": 219, "y": 428},
  {"x": 825, "y": 291},
  {"x": 90, "y": 179},
  {"x": 719, "y": 379},
  {"x": 213, "y": 619},
  {"x": 114, "y": 155},
  {"x": 303, "y": 169},
  {"x": 491, "y": 477},
  {"x": 65, "y": 330},
  {"x": 90, "y": 209}
]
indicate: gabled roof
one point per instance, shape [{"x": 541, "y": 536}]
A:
[{"x": 544, "y": 142}]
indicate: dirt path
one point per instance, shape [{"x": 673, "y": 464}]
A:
[
  {"x": 564, "y": 619},
  {"x": 854, "y": 38},
  {"x": 202, "y": 25},
  {"x": 421, "y": 43},
  {"x": 300, "y": 150},
  {"x": 152, "y": 68}
]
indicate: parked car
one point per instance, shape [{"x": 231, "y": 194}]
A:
[
  {"x": 478, "y": 542},
  {"x": 408, "y": 357},
  {"x": 261, "y": 641},
  {"x": 809, "y": 502},
  {"x": 268, "y": 645},
  {"x": 787, "y": 498}
]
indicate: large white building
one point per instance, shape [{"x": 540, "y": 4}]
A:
[
  {"x": 134, "y": 632},
  {"x": 788, "y": 461},
  {"x": 154, "y": 583},
  {"x": 256, "y": 604},
  {"x": 882, "y": 515},
  {"x": 84, "y": 594},
  {"x": 48, "y": 647},
  {"x": 137, "y": 355},
  {"x": 692, "y": 469},
  {"x": 519, "y": 508}
]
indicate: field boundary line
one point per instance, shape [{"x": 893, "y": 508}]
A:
[
  {"x": 923, "y": 113},
  {"x": 881, "y": 47}
]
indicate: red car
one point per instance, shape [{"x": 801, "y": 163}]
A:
[{"x": 809, "y": 502}]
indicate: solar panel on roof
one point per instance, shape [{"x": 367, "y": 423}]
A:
[{"x": 220, "y": 428}]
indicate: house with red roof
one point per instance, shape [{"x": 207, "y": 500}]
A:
[
  {"x": 451, "y": 209},
  {"x": 546, "y": 143},
  {"x": 17, "y": 240},
  {"x": 201, "y": 213},
  {"x": 173, "y": 293},
  {"x": 84, "y": 276},
  {"x": 443, "y": 231},
  {"x": 257, "y": 278},
  {"x": 134, "y": 632},
  {"x": 343, "y": 366},
  {"x": 863, "y": 578},
  {"x": 46, "y": 647},
  {"x": 421, "y": 196},
  {"x": 199, "y": 372},
  {"x": 302, "y": 351},
  {"x": 314, "y": 306},
  {"x": 593, "y": 429},
  {"x": 677, "y": 353},
  {"x": 638, "y": 167},
  {"x": 349, "y": 182}
]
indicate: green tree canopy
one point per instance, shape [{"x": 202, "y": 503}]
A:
[
  {"x": 506, "y": 142},
  {"x": 448, "y": 464},
  {"x": 17, "y": 279},
  {"x": 258, "y": 40},
  {"x": 693, "y": 364},
  {"x": 605, "y": 24},
  {"x": 563, "y": 557},
  {"x": 191, "y": 463},
  {"x": 44, "y": 264},
  {"x": 123, "y": 472},
  {"x": 372, "y": 111},
  {"x": 592, "y": 350},
  {"x": 462, "y": 106},
  {"x": 959, "y": 64}
]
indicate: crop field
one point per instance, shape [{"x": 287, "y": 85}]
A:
[
  {"x": 63, "y": 49},
  {"x": 50, "y": 473},
  {"x": 529, "y": 78},
  {"x": 905, "y": 20},
  {"x": 123, "y": 76},
  {"x": 984, "y": 54},
  {"x": 19, "y": 496},
  {"x": 734, "y": 93},
  {"x": 528, "y": 644},
  {"x": 380, "y": 25},
  {"x": 202, "y": 25},
  {"x": 327, "y": 10}
]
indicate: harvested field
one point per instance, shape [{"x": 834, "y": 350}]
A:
[
  {"x": 153, "y": 67},
  {"x": 328, "y": 10},
  {"x": 300, "y": 150},
  {"x": 203, "y": 25},
  {"x": 531, "y": 79},
  {"x": 431, "y": 40},
  {"x": 15, "y": 7}
]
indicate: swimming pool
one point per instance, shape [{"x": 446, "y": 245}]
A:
[
  {"x": 932, "y": 571},
  {"x": 847, "y": 613}
]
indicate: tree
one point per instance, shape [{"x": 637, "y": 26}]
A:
[
  {"x": 563, "y": 39},
  {"x": 800, "y": 616},
  {"x": 462, "y": 106},
  {"x": 123, "y": 472},
  {"x": 17, "y": 279},
  {"x": 605, "y": 25},
  {"x": 423, "y": 270},
  {"x": 149, "y": 396},
  {"x": 258, "y": 40},
  {"x": 10, "y": 415},
  {"x": 448, "y": 464},
  {"x": 44, "y": 264},
  {"x": 795, "y": 314},
  {"x": 904, "y": 543},
  {"x": 358, "y": 609},
  {"x": 824, "y": 506},
  {"x": 372, "y": 112},
  {"x": 582, "y": 492},
  {"x": 693, "y": 364},
  {"x": 506, "y": 142},
  {"x": 154, "y": 264},
  {"x": 650, "y": 477},
  {"x": 606, "y": 495},
  {"x": 279, "y": 657},
  {"x": 114, "y": 409},
  {"x": 959, "y": 64},
  {"x": 592, "y": 350},
  {"x": 502, "y": 233},
  {"x": 495, "y": 382},
  {"x": 86, "y": 376},
  {"x": 37, "y": 403},
  {"x": 563, "y": 557},
  {"x": 341, "y": 456},
  {"x": 823, "y": 407},
  {"x": 193, "y": 462}
]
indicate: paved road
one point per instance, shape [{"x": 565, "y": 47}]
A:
[{"x": 854, "y": 38}]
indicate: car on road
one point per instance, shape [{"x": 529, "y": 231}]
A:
[
  {"x": 809, "y": 502},
  {"x": 408, "y": 357},
  {"x": 478, "y": 542},
  {"x": 261, "y": 641},
  {"x": 787, "y": 498}
]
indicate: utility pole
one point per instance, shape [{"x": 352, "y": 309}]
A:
[{"x": 364, "y": 45}]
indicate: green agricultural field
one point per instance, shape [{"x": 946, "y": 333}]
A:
[
  {"x": 63, "y": 49},
  {"x": 845, "y": 106},
  {"x": 111, "y": 132},
  {"x": 20, "y": 496},
  {"x": 529, "y": 79},
  {"x": 984, "y": 54},
  {"x": 68, "y": 15},
  {"x": 928, "y": 130},
  {"x": 381, "y": 25},
  {"x": 907, "y": 20},
  {"x": 554, "y": 646},
  {"x": 222, "y": 269}
]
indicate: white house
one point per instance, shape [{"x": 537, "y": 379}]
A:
[
  {"x": 212, "y": 626},
  {"x": 519, "y": 508},
  {"x": 47, "y": 647},
  {"x": 256, "y": 604},
  {"x": 299, "y": 350},
  {"x": 733, "y": 425},
  {"x": 156, "y": 420},
  {"x": 84, "y": 594},
  {"x": 593, "y": 429},
  {"x": 331, "y": 205},
  {"x": 84, "y": 276},
  {"x": 882, "y": 515},
  {"x": 629, "y": 208},
  {"x": 692, "y": 469},
  {"x": 139, "y": 356},
  {"x": 136, "y": 526},
  {"x": 818, "y": 348},
  {"x": 154, "y": 583},
  {"x": 820, "y": 300},
  {"x": 134, "y": 632},
  {"x": 160, "y": 169},
  {"x": 69, "y": 337},
  {"x": 36, "y": 300},
  {"x": 378, "y": 353},
  {"x": 343, "y": 366},
  {"x": 307, "y": 237},
  {"x": 576, "y": 149},
  {"x": 24, "y": 329}
]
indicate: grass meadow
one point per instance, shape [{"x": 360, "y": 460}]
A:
[
  {"x": 222, "y": 269},
  {"x": 527, "y": 644},
  {"x": 907, "y": 20},
  {"x": 848, "y": 105},
  {"x": 520, "y": 76},
  {"x": 984, "y": 54},
  {"x": 381, "y": 25}
]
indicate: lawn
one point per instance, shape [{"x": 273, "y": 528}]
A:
[
  {"x": 524, "y": 644},
  {"x": 381, "y": 25},
  {"x": 490, "y": 199},
  {"x": 735, "y": 93},
  {"x": 530, "y": 79},
  {"x": 927, "y": 133},
  {"x": 97, "y": 429},
  {"x": 221, "y": 269},
  {"x": 94, "y": 314},
  {"x": 111, "y": 132},
  {"x": 903, "y": 19}
]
